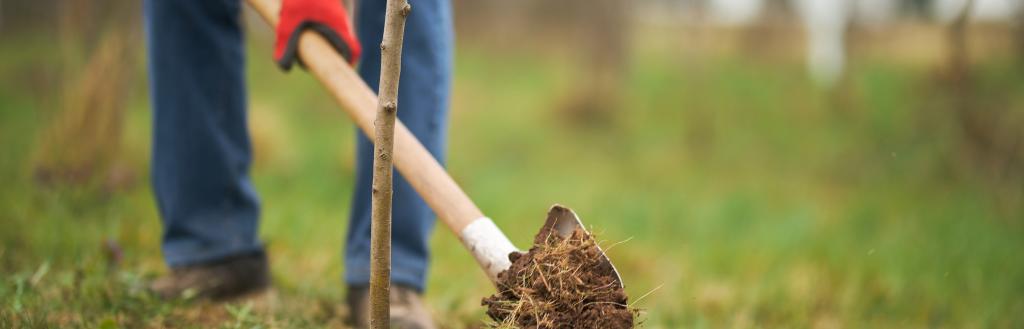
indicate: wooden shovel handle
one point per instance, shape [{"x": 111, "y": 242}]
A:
[{"x": 413, "y": 161}]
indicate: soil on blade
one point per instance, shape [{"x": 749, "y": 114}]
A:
[{"x": 560, "y": 283}]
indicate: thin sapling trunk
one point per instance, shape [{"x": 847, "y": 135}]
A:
[{"x": 383, "y": 163}]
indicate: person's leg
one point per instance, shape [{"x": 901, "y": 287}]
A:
[
  {"x": 201, "y": 152},
  {"x": 423, "y": 94}
]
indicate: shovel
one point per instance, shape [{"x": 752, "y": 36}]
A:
[{"x": 478, "y": 233}]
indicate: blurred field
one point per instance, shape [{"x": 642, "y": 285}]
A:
[{"x": 750, "y": 198}]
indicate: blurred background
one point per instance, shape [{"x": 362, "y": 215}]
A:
[{"x": 764, "y": 163}]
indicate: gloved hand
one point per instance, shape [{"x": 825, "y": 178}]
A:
[{"x": 327, "y": 17}]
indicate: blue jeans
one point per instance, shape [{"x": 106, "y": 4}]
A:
[{"x": 201, "y": 150}]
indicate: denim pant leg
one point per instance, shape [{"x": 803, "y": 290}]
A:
[
  {"x": 201, "y": 153},
  {"x": 423, "y": 95}
]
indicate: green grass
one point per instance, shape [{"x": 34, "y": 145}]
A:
[{"x": 752, "y": 199}]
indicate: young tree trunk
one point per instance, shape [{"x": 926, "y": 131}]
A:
[{"x": 384, "y": 141}]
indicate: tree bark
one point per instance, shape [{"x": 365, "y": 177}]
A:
[{"x": 384, "y": 142}]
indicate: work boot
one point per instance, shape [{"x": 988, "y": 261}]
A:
[
  {"x": 228, "y": 278},
  {"x": 407, "y": 309}
]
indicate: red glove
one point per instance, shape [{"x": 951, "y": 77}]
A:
[{"x": 327, "y": 17}]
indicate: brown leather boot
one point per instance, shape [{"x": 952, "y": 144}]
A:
[
  {"x": 407, "y": 308},
  {"x": 227, "y": 278}
]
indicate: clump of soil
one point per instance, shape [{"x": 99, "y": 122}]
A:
[{"x": 560, "y": 283}]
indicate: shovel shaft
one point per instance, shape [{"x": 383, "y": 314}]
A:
[{"x": 453, "y": 207}]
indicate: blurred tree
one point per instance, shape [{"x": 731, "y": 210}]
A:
[
  {"x": 1019, "y": 32},
  {"x": 766, "y": 37},
  {"x": 920, "y": 8},
  {"x": 958, "y": 51},
  {"x": 81, "y": 143},
  {"x": 826, "y": 25},
  {"x": 993, "y": 142},
  {"x": 22, "y": 16},
  {"x": 601, "y": 28},
  {"x": 593, "y": 35}
]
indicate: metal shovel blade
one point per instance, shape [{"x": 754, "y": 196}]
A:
[{"x": 563, "y": 221}]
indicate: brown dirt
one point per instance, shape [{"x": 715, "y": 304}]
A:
[{"x": 560, "y": 283}]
